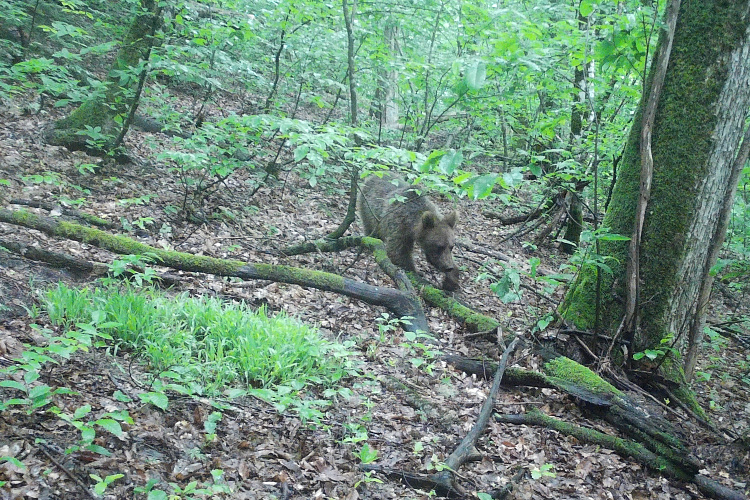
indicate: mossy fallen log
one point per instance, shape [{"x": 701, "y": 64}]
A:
[
  {"x": 472, "y": 320},
  {"x": 653, "y": 441},
  {"x": 401, "y": 304},
  {"x": 627, "y": 448}
]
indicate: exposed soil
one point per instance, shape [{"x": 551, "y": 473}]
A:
[{"x": 411, "y": 416}]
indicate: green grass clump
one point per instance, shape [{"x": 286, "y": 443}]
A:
[{"x": 204, "y": 340}]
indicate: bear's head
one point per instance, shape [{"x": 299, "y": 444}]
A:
[{"x": 436, "y": 235}]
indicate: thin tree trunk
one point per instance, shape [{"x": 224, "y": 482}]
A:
[
  {"x": 277, "y": 69},
  {"x": 348, "y": 21},
  {"x": 630, "y": 321},
  {"x": 388, "y": 82}
]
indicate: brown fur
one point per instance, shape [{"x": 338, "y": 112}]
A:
[{"x": 400, "y": 215}]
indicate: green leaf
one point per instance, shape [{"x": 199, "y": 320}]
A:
[
  {"x": 512, "y": 178},
  {"x": 535, "y": 169},
  {"x": 110, "y": 324},
  {"x": 586, "y": 8},
  {"x": 13, "y": 461},
  {"x": 604, "y": 267},
  {"x": 462, "y": 87},
  {"x": 475, "y": 75},
  {"x": 155, "y": 398},
  {"x": 482, "y": 186},
  {"x": 81, "y": 412},
  {"x": 17, "y": 401},
  {"x": 612, "y": 237},
  {"x": 40, "y": 395},
  {"x": 450, "y": 161},
  {"x": 367, "y": 454},
  {"x": 13, "y": 384},
  {"x": 235, "y": 393},
  {"x": 462, "y": 178},
  {"x": 543, "y": 323},
  {"x": 604, "y": 49},
  {"x": 30, "y": 376},
  {"x": 301, "y": 152},
  {"x": 122, "y": 397},
  {"x": 98, "y": 449},
  {"x": 110, "y": 425},
  {"x": 156, "y": 495},
  {"x": 87, "y": 433}
]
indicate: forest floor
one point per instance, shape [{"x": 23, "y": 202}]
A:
[{"x": 414, "y": 419}]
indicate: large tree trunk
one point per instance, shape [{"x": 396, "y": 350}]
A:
[
  {"x": 106, "y": 111},
  {"x": 696, "y": 134}
]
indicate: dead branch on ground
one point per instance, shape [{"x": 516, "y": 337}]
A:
[{"x": 443, "y": 482}]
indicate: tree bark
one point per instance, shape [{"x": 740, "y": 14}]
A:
[
  {"x": 385, "y": 106},
  {"x": 348, "y": 21},
  {"x": 696, "y": 133},
  {"x": 699, "y": 319}
]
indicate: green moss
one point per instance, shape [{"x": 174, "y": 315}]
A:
[
  {"x": 567, "y": 370},
  {"x": 473, "y": 320},
  {"x": 24, "y": 218},
  {"x": 288, "y": 274},
  {"x": 93, "y": 219},
  {"x": 101, "y": 108},
  {"x": 687, "y": 396},
  {"x": 579, "y": 305},
  {"x": 92, "y": 112},
  {"x": 375, "y": 246},
  {"x": 189, "y": 262},
  {"x": 370, "y": 242},
  {"x": 127, "y": 246}
]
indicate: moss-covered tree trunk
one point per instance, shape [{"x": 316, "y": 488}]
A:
[
  {"x": 696, "y": 134},
  {"x": 105, "y": 111}
]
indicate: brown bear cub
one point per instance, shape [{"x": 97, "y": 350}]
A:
[{"x": 400, "y": 215}]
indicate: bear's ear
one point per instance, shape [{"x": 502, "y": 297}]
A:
[
  {"x": 429, "y": 220},
  {"x": 451, "y": 218}
]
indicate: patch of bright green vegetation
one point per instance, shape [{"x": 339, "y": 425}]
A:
[{"x": 205, "y": 344}]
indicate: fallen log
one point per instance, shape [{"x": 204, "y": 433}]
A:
[
  {"x": 399, "y": 303},
  {"x": 653, "y": 442}
]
